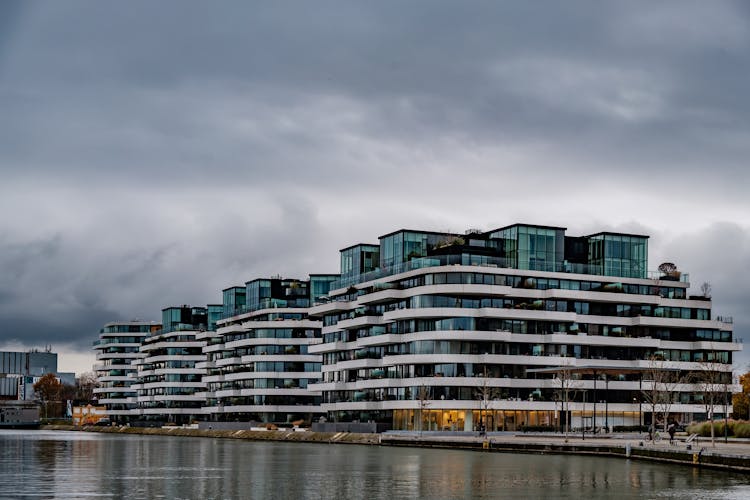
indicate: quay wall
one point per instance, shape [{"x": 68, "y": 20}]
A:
[
  {"x": 250, "y": 435},
  {"x": 698, "y": 456}
]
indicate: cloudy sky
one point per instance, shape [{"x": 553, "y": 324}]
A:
[{"x": 153, "y": 153}]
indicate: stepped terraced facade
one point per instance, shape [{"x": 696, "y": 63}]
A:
[
  {"x": 468, "y": 332},
  {"x": 517, "y": 327},
  {"x": 259, "y": 365},
  {"x": 118, "y": 350}
]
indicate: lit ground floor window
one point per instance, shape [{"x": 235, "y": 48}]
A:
[
  {"x": 472, "y": 420},
  {"x": 528, "y": 420}
]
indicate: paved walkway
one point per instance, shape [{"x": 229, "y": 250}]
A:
[{"x": 733, "y": 448}]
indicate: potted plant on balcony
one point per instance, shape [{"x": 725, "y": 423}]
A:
[{"x": 669, "y": 271}]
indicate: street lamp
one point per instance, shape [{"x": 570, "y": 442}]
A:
[
  {"x": 726, "y": 417},
  {"x": 583, "y": 417},
  {"x": 606, "y": 402}
]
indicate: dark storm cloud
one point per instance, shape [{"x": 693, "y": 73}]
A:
[
  {"x": 153, "y": 153},
  {"x": 61, "y": 290},
  {"x": 141, "y": 77}
]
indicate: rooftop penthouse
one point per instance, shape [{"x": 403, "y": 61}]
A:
[
  {"x": 519, "y": 246},
  {"x": 275, "y": 293}
]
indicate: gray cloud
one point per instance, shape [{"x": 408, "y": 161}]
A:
[
  {"x": 718, "y": 254},
  {"x": 154, "y": 153}
]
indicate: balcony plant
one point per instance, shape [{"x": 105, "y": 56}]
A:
[{"x": 669, "y": 271}]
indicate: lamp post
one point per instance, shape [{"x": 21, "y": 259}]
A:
[
  {"x": 593, "y": 422},
  {"x": 726, "y": 417},
  {"x": 606, "y": 403},
  {"x": 640, "y": 403},
  {"x": 583, "y": 417}
]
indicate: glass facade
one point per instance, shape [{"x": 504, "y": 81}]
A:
[
  {"x": 619, "y": 255},
  {"x": 532, "y": 247},
  {"x": 359, "y": 259},
  {"x": 320, "y": 285},
  {"x": 214, "y": 313},
  {"x": 234, "y": 299},
  {"x": 257, "y": 291},
  {"x": 184, "y": 318},
  {"x": 403, "y": 246},
  {"x": 277, "y": 292},
  {"x": 527, "y": 247}
]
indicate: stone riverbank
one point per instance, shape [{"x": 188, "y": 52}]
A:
[{"x": 734, "y": 456}]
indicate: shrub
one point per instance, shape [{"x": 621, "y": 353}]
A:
[
  {"x": 737, "y": 428},
  {"x": 741, "y": 429},
  {"x": 699, "y": 428}
]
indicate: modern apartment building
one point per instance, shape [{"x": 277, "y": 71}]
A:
[
  {"x": 169, "y": 381},
  {"x": 116, "y": 350},
  {"x": 258, "y": 364},
  {"x": 516, "y": 327}
]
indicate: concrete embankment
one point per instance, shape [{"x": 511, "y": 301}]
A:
[
  {"x": 732, "y": 456},
  {"x": 279, "y": 435},
  {"x": 735, "y": 457}
]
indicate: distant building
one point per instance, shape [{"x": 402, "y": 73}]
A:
[
  {"x": 169, "y": 384},
  {"x": 19, "y": 414},
  {"x": 258, "y": 363},
  {"x": 116, "y": 350},
  {"x": 19, "y": 371},
  {"x": 91, "y": 415}
]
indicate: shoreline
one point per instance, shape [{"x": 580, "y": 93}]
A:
[{"x": 732, "y": 457}]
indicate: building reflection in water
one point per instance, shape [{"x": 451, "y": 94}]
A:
[{"x": 70, "y": 465}]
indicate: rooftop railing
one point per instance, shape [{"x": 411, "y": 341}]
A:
[
  {"x": 118, "y": 340},
  {"x": 501, "y": 262},
  {"x": 179, "y": 327},
  {"x": 267, "y": 303}
]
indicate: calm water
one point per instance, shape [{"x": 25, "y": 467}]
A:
[{"x": 42, "y": 464}]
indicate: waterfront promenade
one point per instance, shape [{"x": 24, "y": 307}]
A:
[{"x": 733, "y": 455}]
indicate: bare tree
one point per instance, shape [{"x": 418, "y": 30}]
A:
[
  {"x": 485, "y": 393},
  {"x": 706, "y": 289},
  {"x": 85, "y": 385},
  {"x": 565, "y": 388},
  {"x": 711, "y": 382},
  {"x": 423, "y": 396},
  {"x": 659, "y": 386}
]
